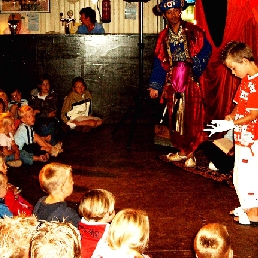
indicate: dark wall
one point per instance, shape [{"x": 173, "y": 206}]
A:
[{"x": 108, "y": 63}]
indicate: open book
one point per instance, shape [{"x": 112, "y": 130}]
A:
[{"x": 224, "y": 144}]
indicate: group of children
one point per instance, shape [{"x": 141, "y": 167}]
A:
[
  {"x": 30, "y": 129},
  {"x": 55, "y": 230}
]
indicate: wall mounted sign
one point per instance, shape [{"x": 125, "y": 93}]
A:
[{"x": 12, "y": 6}]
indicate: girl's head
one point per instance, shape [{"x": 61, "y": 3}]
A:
[
  {"x": 97, "y": 205},
  {"x": 2, "y": 106},
  {"x": 78, "y": 85},
  {"x": 129, "y": 230},
  {"x": 7, "y": 123},
  {"x": 4, "y": 97},
  {"x": 3, "y": 184},
  {"x": 56, "y": 177},
  {"x": 44, "y": 85}
]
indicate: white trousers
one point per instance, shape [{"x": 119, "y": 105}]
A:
[{"x": 245, "y": 175}]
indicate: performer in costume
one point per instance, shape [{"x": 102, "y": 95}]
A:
[{"x": 181, "y": 55}]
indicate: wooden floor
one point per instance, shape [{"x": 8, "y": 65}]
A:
[{"x": 178, "y": 202}]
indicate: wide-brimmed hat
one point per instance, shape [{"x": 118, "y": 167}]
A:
[{"x": 168, "y": 4}]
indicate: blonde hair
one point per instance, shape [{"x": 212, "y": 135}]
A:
[
  {"x": 5, "y": 119},
  {"x": 52, "y": 175},
  {"x": 129, "y": 229},
  {"x": 56, "y": 239},
  {"x": 96, "y": 203},
  {"x": 23, "y": 110},
  {"x": 212, "y": 241},
  {"x": 16, "y": 234}
]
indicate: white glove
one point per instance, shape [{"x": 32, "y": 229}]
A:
[{"x": 219, "y": 126}]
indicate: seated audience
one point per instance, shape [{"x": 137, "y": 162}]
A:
[
  {"x": 32, "y": 147},
  {"x": 16, "y": 234},
  {"x": 14, "y": 104},
  {"x": 77, "y": 108},
  {"x": 97, "y": 210},
  {"x": 57, "y": 181},
  {"x": 213, "y": 240},
  {"x": 45, "y": 105},
  {"x": 56, "y": 240},
  {"x": 128, "y": 236},
  {"x": 89, "y": 22},
  {"x": 20, "y": 29},
  {"x": 10, "y": 148}
]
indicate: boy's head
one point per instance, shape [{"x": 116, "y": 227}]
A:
[
  {"x": 6, "y": 123},
  {"x": 129, "y": 228},
  {"x": 97, "y": 205},
  {"x": 26, "y": 115},
  {"x": 16, "y": 234},
  {"x": 78, "y": 85},
  {"x": 55, "y": 178},
  {"x": 238, "y": 57},
  {"x": 3, "y": 184},
  {"x": 56, "y": 239},
  {"x": 88, "y": 15},
  {"x": 16, "y": 95},
  {"x": 213, "y": 241}
]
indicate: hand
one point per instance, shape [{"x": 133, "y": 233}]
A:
[
  {"x": 229, "y": 117},
  {"x": 153, "y": 93},
  {"x": 52, "y": 114}
]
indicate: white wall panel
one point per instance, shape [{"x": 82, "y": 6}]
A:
[{"x": 50, "y": 22}]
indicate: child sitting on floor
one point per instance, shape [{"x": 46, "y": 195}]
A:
[
  {"x": 57, "y": 181},
  {"x": 213, "y": 240},
  {"x": 77, "y": 106},
  {"x": 4, "y": 210},
  {"x": 14, "y": 104},
  {"x": 32, "y": 147},
  {"x": 128, "y": 236},
  {"x": 56, "y": 239},
  {"x": 97, "y": 210},
  {"x": 16, "y": 234},
  {"x": 11, "y": 196},
  {"x": 10, "y": 149}
]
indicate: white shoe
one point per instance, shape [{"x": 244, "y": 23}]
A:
[
  {"x": 191, "y": 162},
  {"x": 175, "y": 157},
  {"x": 212, "y": 167}
]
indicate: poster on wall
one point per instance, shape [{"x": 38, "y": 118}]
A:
[{"x": 12, "y": 6}]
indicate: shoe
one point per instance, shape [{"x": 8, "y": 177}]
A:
[
  {"x": 55, "y": 150},
  {"x": 14, "y": 163},
  {"x": 243, "y": 219},
  {"x": 236, "y": 212},
  {"x": 212, "y": 166},
  {"x": 175, "y": 157},
  {"x": 190, "y": 163}
]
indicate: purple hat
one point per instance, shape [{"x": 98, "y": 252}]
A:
[{"x": 168, "y": 4}]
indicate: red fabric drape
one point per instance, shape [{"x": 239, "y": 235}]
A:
[{"x": 219, "y": 84}]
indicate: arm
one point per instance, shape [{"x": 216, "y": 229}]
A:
[
  {"x": 232, "y": 115},
  {"x": 66, "y": 107},
  {"x": 250, "y": 117}
]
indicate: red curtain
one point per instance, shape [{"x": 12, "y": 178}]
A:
[{"x": 219, "y": 84}]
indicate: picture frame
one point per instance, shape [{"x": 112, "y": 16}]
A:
[{"x": 24, "y": 6}]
